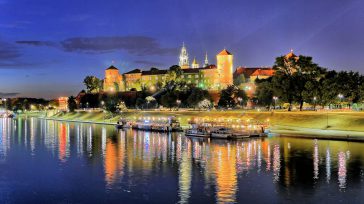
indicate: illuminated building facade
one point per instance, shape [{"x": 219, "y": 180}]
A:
[
  {"x": 113, "y": 81},
  {"x": 62, "y": 103},
  {"x": 249, "y": 75},
  {"x": 209, "y": 77}
]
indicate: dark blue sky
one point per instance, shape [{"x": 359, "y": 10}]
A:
[{"x": 47, "y": 47}]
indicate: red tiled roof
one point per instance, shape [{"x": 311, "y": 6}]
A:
[{"x": 253, "y": 71}]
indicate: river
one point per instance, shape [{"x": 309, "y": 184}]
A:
[{"x": 46, "y": 161}]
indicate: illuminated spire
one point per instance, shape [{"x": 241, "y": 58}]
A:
[
  {"x": 183, "y": 57},
  {"x": 206, "y": 61},
  {"x": 194, "y": 63}
]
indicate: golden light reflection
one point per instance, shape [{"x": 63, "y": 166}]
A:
[
  {"x": 114, "y": 159},
  {"x": 224, "y": 167},
  {"x": 62, "y": 146}
]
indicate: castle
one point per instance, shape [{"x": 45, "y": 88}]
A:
[{"x": 208, "y": 76}]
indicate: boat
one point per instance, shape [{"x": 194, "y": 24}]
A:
[
  {"x": 229, "y": 133},
  {"x": 123, "y": 124},
  {"x": 199, "y": 130},
  {"x": 169, "y": 124}
]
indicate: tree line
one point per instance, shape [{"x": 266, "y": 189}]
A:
[{"x": 298, "y": 80}]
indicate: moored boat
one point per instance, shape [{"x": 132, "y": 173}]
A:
[
  {"x": 123, "y": 124},
  {"x": 169, "y": 124},
  {"x": 199, "y": 130}
]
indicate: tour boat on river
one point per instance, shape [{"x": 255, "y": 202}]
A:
[
  {"x": 199, "y": 130},
  {"x": 225, "y": 130},
  {"x": 169, "y": 124},
  {"x": 229, "y": 133}
]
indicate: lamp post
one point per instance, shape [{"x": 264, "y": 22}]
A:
[
  {"x": 178, "y": 103},
  {"x": 240, "y": 100},
  {"x": 275, "y": 98},
  {"x": 341, "y": 98},
  {"x": 102, "y": 104},
  {"x": 314, "y": 103}
]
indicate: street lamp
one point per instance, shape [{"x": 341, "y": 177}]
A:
[
  {"x": 275, "y": 98},
  {"x": 178, "y": 103},
  {"x": 341, "y": 98},
  {"x": 240, "y": 100},
  {"x": 314, "y": 103},
  {"x": 102, "y": 104}
]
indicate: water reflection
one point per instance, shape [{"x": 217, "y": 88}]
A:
[{"x": 214, "y": 168}]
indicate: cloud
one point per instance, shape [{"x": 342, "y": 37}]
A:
[
  {"x": 2, "y": 94},
  {"x": 135, "y": 45},
  {"x": 148, "y": 63},
  {"x": 37, "y": 43},
  {"x": 8, "y": 51}
]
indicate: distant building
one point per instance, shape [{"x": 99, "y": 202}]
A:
[
  {"x": 210, "y": 77},
  {"x": 249, "y": 75},
  {"x": 62, "y": 103}
]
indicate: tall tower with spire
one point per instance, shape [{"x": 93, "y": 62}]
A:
[
  {"x": 183, "y": 58},
  {"x": 206, "y": 61}
]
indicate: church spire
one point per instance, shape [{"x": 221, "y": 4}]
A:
[
  {"x": 195, "y": 64},
  {"x": 206, "y": 61},
  {"x": 183, "y": 57}
]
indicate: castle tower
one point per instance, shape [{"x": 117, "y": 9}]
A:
[
  {"x": 183, "y": 58},
  {"x": 195, "y": 64},
  {"x": 113, "y": 81},
  {"x": 206, "y": 61},
  {"x": 225, "y": 68}
]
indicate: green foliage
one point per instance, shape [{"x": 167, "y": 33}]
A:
[
  {"x": 92, "y": 84},
  {"x": 112, "y": 103},
  {"x": 264, "y": 92},
  {"x": 230, "y": 97},
  {"x": 239, "y": 80},
  {"x": 197, "y": 95},
  {"x": 90, "y": 100},
  {"x": 294, "y": 77},
  {"x": 72, "y": 105},
  {"x": 169, "y": 99}
]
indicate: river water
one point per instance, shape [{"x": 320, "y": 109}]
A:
[{"x": 46, "y": 161}]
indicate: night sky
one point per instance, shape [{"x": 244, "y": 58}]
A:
[{"x": 47, "y": 47}]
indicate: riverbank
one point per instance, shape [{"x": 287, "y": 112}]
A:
[{"x": 312, "y": 124}]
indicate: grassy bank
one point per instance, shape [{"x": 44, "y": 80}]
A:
[{"x": 345, "y": 121}]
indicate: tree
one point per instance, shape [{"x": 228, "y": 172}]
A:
[
  {"x": 230, "y": 96},
  {"x": 151, "y": 102},
  {"x": 112, "y": 103},
  {"x": 204, "y": 104},
  {"x": 291, "y": 76},
  {"x": 264, "y": 92},
  {"x": 169, "y": 99},
  {"x": 121, "y": 106},
  {"x": 92, "y": 84},
  {"x": 197, "y": 95},
  {"x": 72, "y": 105},
  {"x": 239, "y": 80}
]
